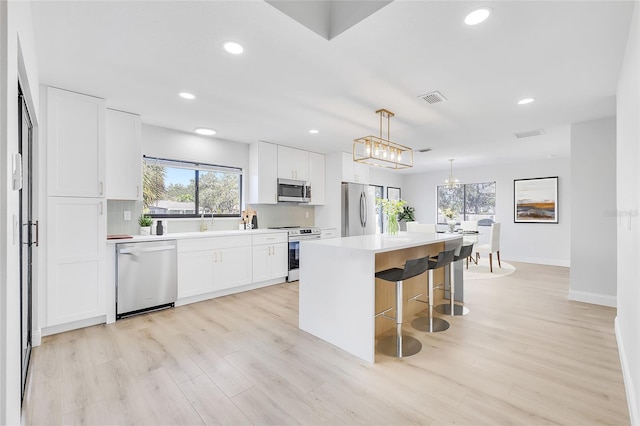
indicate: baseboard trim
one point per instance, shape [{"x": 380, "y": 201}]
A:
[
  {"x": 548, "y": 262},
  {"x": 36, "y": 337},
  {"x": 206, "y": 296},
  {"x": 73, "y": 325},
  {"x": 593, "y": 298},
  {"x": 626, "y": 377}
]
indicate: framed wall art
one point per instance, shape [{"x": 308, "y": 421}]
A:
[
  {"x": 393, "y": 194},
  {"x": 535, "y": 200}
]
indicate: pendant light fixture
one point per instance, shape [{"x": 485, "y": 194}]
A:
[
  {"x": 377, "y": 151},
  {"x": 452, "y": 180}
]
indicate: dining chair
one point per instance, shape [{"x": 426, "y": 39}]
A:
[
  {"x": 421, "y": 227},
  {"x": 492, "y": 247}
]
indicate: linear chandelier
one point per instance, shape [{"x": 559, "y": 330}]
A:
[{"x": 377, "y": 151}]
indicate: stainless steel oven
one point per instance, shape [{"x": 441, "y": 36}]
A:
[{"x": 296, "y": 235}]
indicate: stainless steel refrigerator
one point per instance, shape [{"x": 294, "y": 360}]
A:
[{"x": 358, "y": 209}]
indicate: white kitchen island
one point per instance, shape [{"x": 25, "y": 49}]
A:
[{"x": 339, "y": 294}]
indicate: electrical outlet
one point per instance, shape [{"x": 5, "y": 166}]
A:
[{"x": 127, "y": 215}]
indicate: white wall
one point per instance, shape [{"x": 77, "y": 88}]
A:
[
  {"x": 628, "y": 233},
  {"x": 17, "y": 61},
  {"x": 547, "y": 244},
  {"x": 593, "y": 202}
]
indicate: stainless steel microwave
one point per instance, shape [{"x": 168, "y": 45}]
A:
[{"x": 294, "y": 191}]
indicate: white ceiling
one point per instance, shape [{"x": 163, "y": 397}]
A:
[{"x": 139, "y": 55}]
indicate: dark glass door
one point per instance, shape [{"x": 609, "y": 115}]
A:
[{"x": 28, "y": 232}]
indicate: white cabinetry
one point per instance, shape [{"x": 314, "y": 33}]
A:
[
  {"x": 206, "y": 265},
  {"x": 293, "y": 163},
  {"x": 75, "y": 144},
  {"x": 270, "y": 256},
  {"x": 124, "y": 156},
  {"x": 316, "y": 178},
  {"x": 353, "y": 171},
  {"x": 328, "y": 233},
  {"x": 76, "y": 244},
  {"x": 76, "y": 225},
  {"x": 263, "y": 173}
]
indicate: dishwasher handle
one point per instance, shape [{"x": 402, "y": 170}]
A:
[{"x": 146, "y": 250}]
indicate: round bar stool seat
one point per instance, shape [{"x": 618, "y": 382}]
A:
[
  {"x": 400, "y": 345},
  {"x": 452, "y": 308},
  {"x": 431, "y": 324}
]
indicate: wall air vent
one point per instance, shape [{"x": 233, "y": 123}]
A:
[
  {"x": 433, "y": 97},
  {"x": 530, "y": 133},
  {"x": 424, "y": 150}
]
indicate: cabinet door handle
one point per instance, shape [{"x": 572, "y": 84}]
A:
[
  {"x": 137, "y": 191},
  {"x": 101, "y": 209},
  {"x": 220, "y": 256},
  {"x": 101, "y": 188}
]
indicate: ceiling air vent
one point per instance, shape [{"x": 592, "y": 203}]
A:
[
  {"x": 530, "y": 133},
  {"x": 424, "y": 150},
  {"x": 433, "y": 97}
]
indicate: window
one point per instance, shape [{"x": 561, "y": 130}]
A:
[
  {"x": 472, "y": 201},
  {"x": 174, "y": 188}
]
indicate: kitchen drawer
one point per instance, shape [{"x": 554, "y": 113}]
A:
[
  {"x": 262, "y": 239},
  {"x": 328, "y": 233},
  {"x": 213, "y": 243}
]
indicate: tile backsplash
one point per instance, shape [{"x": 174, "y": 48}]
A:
[{"x": 269, "y": 216}]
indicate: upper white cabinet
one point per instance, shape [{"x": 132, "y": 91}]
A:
[
  {"x": 353, "y": 171},
  {"x": 124, "y": 156},
  {"x": 316, "y": 178},
  {"x": 75, "y": 144},
  {"x": 76, "y": 235},
  {"x": 293, "y": 163},
  {"x": 263, "y": 173}
]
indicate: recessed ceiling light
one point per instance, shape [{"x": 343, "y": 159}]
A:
[
  {"x": 233, "y": 47},
  {"x": 187, "y": 95},
  {"x": 477, "y": 16},
  {"x": 205, "y": 132},
  {"x": 525, "y": 101},
  {"x": 314, "y": 131}
]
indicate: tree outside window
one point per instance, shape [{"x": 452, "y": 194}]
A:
[
  {"x": 472, "y": 201},
  {"x": 184, "y": 189}
]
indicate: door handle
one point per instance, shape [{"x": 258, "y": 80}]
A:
[{"x": 37, "y": 225}]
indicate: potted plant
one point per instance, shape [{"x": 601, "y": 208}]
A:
[
  {"x": 407, "y": 214},
  {"x": 450, "y": 214},
  {"x": 391, "y": 209},
  {"x": 145, "y": 224}
]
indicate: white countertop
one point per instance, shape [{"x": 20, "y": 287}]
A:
[
  {"x": 187, "y": 235},
  {"x": 382, "y": 242}
]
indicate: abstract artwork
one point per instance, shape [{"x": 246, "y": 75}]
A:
[{"x": 536, "y": 200}]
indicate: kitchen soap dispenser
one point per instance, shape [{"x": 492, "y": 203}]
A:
[{"x": 159, "y": 228}]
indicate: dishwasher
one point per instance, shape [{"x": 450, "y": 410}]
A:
[{"x": 147, "y": 277}]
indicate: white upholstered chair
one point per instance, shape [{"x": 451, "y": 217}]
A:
[
  {"x": 492, "y": 247},
  {"x": 469, "y": 226},
  {"x": 421, "y": 227}
]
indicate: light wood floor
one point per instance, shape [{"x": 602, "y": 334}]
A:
[{"x": 524, "y": 355}]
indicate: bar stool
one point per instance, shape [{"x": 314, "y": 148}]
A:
[
  {"x": 400, "y": 345},
  {"x": 452, "y": 308},
  {"x": 431, "y": 324}
]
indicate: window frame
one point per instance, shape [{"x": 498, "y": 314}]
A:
[
  {"x": 197, "y": 170},
  {"x": 464, "y": 199}
]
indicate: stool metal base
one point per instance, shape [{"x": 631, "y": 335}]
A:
[
  {"x": 457, "y": 309},
  {"x": 400, "y": 347},
  {"x": 437, "y": 324}
]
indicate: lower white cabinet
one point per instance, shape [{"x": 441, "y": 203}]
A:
[
  {"x": 206, "y": 265},
  {"x": 270, "y": 256},
  {"x": 76, "y": 235}
]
